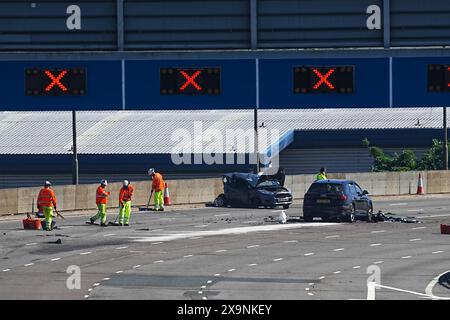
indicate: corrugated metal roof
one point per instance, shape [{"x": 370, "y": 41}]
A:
[{"x": 146, "y": 132}]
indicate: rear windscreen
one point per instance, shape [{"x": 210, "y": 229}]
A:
[{"x": 326, "y": 188}]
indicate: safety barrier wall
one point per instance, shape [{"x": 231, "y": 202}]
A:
[{"x": 195, "y": 191}]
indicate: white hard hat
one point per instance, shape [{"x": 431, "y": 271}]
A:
[
  {"x": 48, "y": 183},
  {"x": 104, "y": 182},
  {"x": 125, "y": 183},
  {"x": 151, "y": 171}
]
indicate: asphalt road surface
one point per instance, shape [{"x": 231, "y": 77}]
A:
[{"x": 230, "y": 253}]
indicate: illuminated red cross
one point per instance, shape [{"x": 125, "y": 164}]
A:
[
  {"x": 55, "y": 80},
  {"x": 190, "y": 80},
  {"x": 323, "y": 79}
]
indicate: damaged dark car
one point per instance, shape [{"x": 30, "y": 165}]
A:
[{"x": 252, "y": 190}]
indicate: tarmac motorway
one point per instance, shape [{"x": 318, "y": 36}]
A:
[{"x": 231, "y": 253}]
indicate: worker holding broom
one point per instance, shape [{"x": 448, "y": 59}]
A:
[
  {"x": 125, "y": 194},
  {"x": 101, "y": 199},
  {"x": 47, "y": 201},
  {"x": 158, "y": 186}
]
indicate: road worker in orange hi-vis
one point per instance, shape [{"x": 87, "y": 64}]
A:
[
  {"x": 101, "y": 199},
  {"x": 47, "y": 201},
  {"x": 125, "y": 195},
  {"x": 158, "y": 186}
]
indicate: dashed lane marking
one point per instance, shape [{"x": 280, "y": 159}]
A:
[
  {"x": 106, "y": 279},
  {"x": 96, "y": 284},
  {"x": 155, "y": 243},
  {"x": 436, "y": 252},
  {"x": 203, "y": 287},
  {"x": 414, "y": 210},
  {"x": 406, "y": 257},
  {"x": 159, "y": 261},
  {"x": 56, "y": 259},
  {"x": 28, "y": 264},
  {"x": 253, "y": 246},
  {"x": 322, "y": 277},
  {"x": 223, "y": 250},
  {"x": 310, "y": 294},
  {"x": 290, "y": 241},
  {"x": 209, "y": 281},
  {"x": 376, "y": 244},
  {"x": 120, "y": 271},
  {"x": 204, "y": 298},
  {"x": 222, "y": 215},
  {"x": 356, "y": 267},
  {"x": 188, "y": 256},
  {"x": 331, "y": 237},
  {"x": 31, "y": 244},
  {"x": 399, "y": 204},
  {"x": 337, "y": 272},
  {"x": 277, "y": 259},
  {"x": 252, "y": 264},
  {"x": 309, "y": 254},
  {"x": 378, "y": 262},
  {"x": 201, "y": 226},
  {"x": 231, "y": 270},
  {"x": 86, "y": 296},
  {"x": 109, "y": 234},
  {"x": 6, "y": 270},
  {"x": 217, "y": 275},
  {"x": 418, "y": 228},
  {"x": 136, "y": 266},
  {"x": 339, "y": 249},
  {"x": 85, "y": 253},
  {"x": 378, "y": 231},
  {"x": 121, "y": 248},
  {"x": 417, "y": 239}
]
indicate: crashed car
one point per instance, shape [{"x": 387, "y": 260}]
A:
[{"x": 252, "y": 190}]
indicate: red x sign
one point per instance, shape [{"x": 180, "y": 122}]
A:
[
  {"x": 190, "y": 80},
  {"x": 55, "y": 80},
  {"x": 323, "y": 79}
]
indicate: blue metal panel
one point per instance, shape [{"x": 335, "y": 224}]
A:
[
  {"x": 371, "y": 87},
  {"x": 103, "y": 87},
  {"x": 410, "y": 83},
  {"x": 143, "y": 88}
]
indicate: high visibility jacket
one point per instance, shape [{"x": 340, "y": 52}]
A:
[
  {"x": 46, "y": 198},
  {"x": 321, "y": 176},
  {"x": 101, "y": 196},
  {"x": 125, "y": 194},
  {"x": 158, "y": 182}
]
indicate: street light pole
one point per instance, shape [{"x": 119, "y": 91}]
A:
[
  {"x": 445, "y": 140},
  {"x": 75, "y": 154},
  {"x": 255, "y": 117}
]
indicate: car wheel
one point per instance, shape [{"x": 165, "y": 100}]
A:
[
  {"x": 286, "y": 207},
  {"x": 351, "y": 215},
  {"x": 220, "y": 201},
  {"x": 255, "y": 202}
]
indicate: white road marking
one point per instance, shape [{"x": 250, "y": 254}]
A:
[
  {"x": 222, "y": 215},
  {"x": 417, "y": 239},
  {"x": 430, "y": 286},
  {"x": 31, "y": 244},
  {"x": 339, "y": 249},
  {"x": 322, "y": 277},
  {"x": 195, "y": 238},
  {"x": 378, "y": 262},
  {"x": 6, "y": 270},
  {"x": 121, "y": 248},
  {"x": 253, "y": 246},
  {"x": 307, "y": 289},
  {"x": 56, "y": 259},
  {"x": 231, "y": 231},
  {"x": 109, "y": 234},
  {"x": 200, "y": 292},
  {"x": 252, "y": 264},
  {"x": 28, "y": 264},
  {"x": 309, "y": 254},
  {"x": 201, "y": 226},
  {"x": 277, "y": 259},
  {"x": 376, "y": 244},
  {"x": 65, "y": 227},
  {"x": 85, "y": 253},
  {"x": 106, "y": 279},
  {"x": 399, "y": 204},
  {"x": 310, "y": 293},
  {"x": 86, "y": 296},
  {"x": 418, "y": 228},
  {"x": 378, "y": 231},
  {"x": 203, "y": 287},
  {"x": 204, "y": 298},
  {"x": 311, "y": 283},
  {"x": 96, "y": 284},
  {"x": 188, "y": 256},
  {"x": 331, "y": 237},
  {"x": 155, "y": 230},
  {"x": 290, "y": 241},
  {"x": 436, "y": 252},
  {"x": 414, "y": 210},
  {"x": 90, "y": 289},
  {"x": 337, "y": 272},
  {"x": 406, "y": 257},
  {"x": 159, "y": 261},
  {"x": 231, "y": 270},
  {"x": 217, "y": 275},
  {"x": 155, "y": 243},
  {"x": 356, "y": 267},
  {"x": 222, "y": 250},
  {"x": 436, "y": 216},
  {"x": 136, "y": 266},
  {"x": 209, "y": 281},
  {"x": 120, "y": 271}
]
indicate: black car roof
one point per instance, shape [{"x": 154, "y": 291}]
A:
[{"x": 335, "y": 181}]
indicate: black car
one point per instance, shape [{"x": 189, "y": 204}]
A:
[
  {"x": 341, "y": 200},
  {"x": 247, "y": 189}
]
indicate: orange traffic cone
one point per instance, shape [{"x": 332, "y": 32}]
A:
[
  {"x": 420, "y": 189},
  {"x": 167, "y": 196}
]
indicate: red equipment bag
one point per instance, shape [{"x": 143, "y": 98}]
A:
[{"x": 32, "y": 224}]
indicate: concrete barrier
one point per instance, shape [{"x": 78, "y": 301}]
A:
[{"x": 82, "y": 197}]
